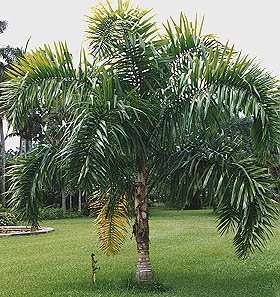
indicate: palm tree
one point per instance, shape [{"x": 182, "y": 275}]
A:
[{"x": 150, "y": 106}]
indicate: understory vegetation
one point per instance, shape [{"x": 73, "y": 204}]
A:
[
  {"x": 53, "y": 213},
  {"x": 7, "y": 218},
  {"x": 189, "y": 259}
]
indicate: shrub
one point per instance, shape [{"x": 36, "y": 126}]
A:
[
  {"x": 73, "y": 213},
  {"x": 7, "y": 218},
  {"x": 53, "y": 213}
]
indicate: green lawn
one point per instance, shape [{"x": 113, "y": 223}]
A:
[{"x": 188, "y": 256}]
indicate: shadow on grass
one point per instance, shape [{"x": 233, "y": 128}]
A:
[
  {"x": 171, "y": 213},
  {"x": 183, "y": 285},
  {"x": 243, "y": 285},
  {"x": 130, "y": 284},
  {"x": 126, "y": 285}
]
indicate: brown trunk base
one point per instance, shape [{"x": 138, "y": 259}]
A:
[
  {"x": 144, "y": 270},
  {"x": 144, "y": 275}
]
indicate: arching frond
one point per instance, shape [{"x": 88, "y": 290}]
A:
[
  {"x": 42, "y": 78},
  {"x": 241, "y": 187},
  {"x": 30, "y": 177},
  {"x": 111, "y": 222},
  {"x": 106, "y": 128},
  {"x": 209, "y": 84},
  {"x": 109, "y": 28},
  {"x": 122, "y": 38}
]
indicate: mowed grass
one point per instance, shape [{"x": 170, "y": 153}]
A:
[{"x": 188, "y": 256}]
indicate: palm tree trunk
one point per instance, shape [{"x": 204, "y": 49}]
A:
[
  {"x": 20, "y": 144},
  {"x": 144, "y": 270},
  {"x": 27, "y": 145},
  {"x": 3, "y": 155},
  {"x": 28, "y": 139},
  {"x": 63, "y": 201},
  {"x": 80, "y": 201}
]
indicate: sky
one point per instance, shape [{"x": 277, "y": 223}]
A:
[{"x": 252, "y": 26}]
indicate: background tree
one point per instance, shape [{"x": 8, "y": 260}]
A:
[
  {"x": 150, "y": 106},
  {"x": 8, "y": 55}
]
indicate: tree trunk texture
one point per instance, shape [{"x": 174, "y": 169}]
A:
[
  {"x": 70, "y": 202},
  {"x": 144, "y": 270},
  {"x": 28, "y": 145},
  {"x": 20, "y": 145},
  {"x": 196, "y": 201},
  {"x": 3, "y": 155},
  {"x": 28, "y": 139},
  {"x": 80, "y": 201},
  {"x": 63, "y": 202}
]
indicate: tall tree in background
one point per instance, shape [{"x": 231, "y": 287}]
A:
[
  {"x": 3, "y": 25},
  {"x": 56, "y": 123},
  {"x": 8, "y": 55},
  {"x": 149, "y": 106}
]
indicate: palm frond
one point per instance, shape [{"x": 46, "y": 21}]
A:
[
  {"x": 107, "y": 27},
  {"x": 106, "y": 127},
  {"x": 212, "y": 84},
  {"x": 111, "y": 222},
  {"x": 42, "y": 78},
  {"x": 242, "y": 188},
  {"x": 122, "y": 38},
  {"x": 30, "y": 177}
]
